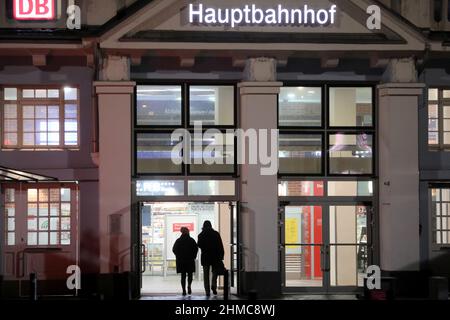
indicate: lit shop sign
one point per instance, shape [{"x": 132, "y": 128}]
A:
[
  {"x": 253, "y": 15},
  {"x": 34, "y": 9}
]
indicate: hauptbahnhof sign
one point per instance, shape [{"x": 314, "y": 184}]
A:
[{"x": 254, "y": 15}]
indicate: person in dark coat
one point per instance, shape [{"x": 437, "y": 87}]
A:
[
  {"x": 185, "y": 250},
  {"x": 210, "y": 242}
]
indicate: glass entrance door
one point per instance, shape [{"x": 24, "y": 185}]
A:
[{"x": 324, "y": 247}]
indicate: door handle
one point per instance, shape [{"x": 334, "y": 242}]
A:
[
  {"x": 143, "y": 258},
  {"x": 324, "y": 253}
]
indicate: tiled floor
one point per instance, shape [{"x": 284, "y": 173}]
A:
[{"x": 169, "y": 288}]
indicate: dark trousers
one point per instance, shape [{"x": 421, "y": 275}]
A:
[
  {"x": 183, "y": 280},
  {"x": 206, "y": 270}
]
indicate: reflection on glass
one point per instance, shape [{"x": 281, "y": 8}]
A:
[
  {"x": 300, "y": 154},
  {"x": 348, "y": 245},
  {"x": 350, "y": 153},
  {"x": 441, "y": 215},
  {"x": 300, "y": 188},
  {"x": 214, "y": 153},
  {"x": 211, "y": 105},
  {"x": 300, "y": 107},
  {"x": 211, "y": 188},
  {"x": 158, "y": 105},
  {"x": 351, "y": 107},
  {"x": 160, "y": 188},
  {"x": 154, "y": 152},
  {"x": 350, "y": 188},
  {"x": 303, "y": 245}
]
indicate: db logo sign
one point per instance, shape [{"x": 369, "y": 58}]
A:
[{"x": 34, "y": 9}]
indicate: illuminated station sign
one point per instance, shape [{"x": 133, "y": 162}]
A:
[
  {"x": 254, "y": 15},
  {"x": 34, "y": 9}
]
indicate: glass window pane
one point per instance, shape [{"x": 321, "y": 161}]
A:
[
  {"x": 71, "y": 125},
  {"x": 32, "y": 209},
  {"x": 53, "y": 139},
  {"x": 32, "y": 224},
  {"x": 71, "y": 138},
  {"x": 70, "y": 93},
  {"x": 41, "y": 125},
  {"x": 43, "y": 238},
  {"x": 350, "y": 154},
  {"x": 71, "y": 111},
  {"x": 300, "y": 107},
  {"x": 28, "y": 93},
  {"x": 445, "y": 195},
  {"x": 10, "y": 209},
  {"x": 43, "y": 195},
  {"x": 10, "y": 125},
  {"x": 53, "y": 125},
  {"x": 53, "y": 93},
  {"x": 32, "y": 238},
  {"x": 446, "y": 93},
  {"x": 54, "y": 223},
  {"x": 214, "y": 153},
  {"x": 433, "y": 138},
  {"x": 158, "y": 105},
  {"x": 28, "y": 112},
  {"x": 11, "y": 239},
  {"x": 211, "y": 188},
  {"x": 154, "y": 151},
  {"x": 54, "y": 209},
  {"x": 11, "y": 224},
  {"x": 41, "y": 112},
  {"x": 447, "y": 138},
  {"x": 350, "y": 188},
  {"x": 351, "y": 107},
  {"x": 211, "y": 105},
  {"x": 41, "y": 93},
  {"x": 65, "y": 238},
  {"x": 65, "y": 209},
  {"x": 28, "y": 139},
  {"x": 160, "y": 188},
  {"x": 43, "y": 224},
  {"x": 28, "y": 125},
  {"x": 53, "y": 112},
  {"x": 65, "y": 223},
  {"x": 43, "y": 209},
  {"x": 10, "y": 93},
  {"x": 300, "y": 154},
  {"x": 41, "y": 139},
  {"x": 303, "y": 225},
  {"x": 65, "y": 194},
  {"x": 9, "y": 195},
  {"x": 54, "y": 238},
  {"x": 447, "y": 112},
  {"x": 32, "y": 195},
  {"x": 433, "y": 95},
  {"x": 447, "y": 125},
  {"x": 433, "y": 111},
  {"x": 300, "y": 188},
  {"x": 54, "y": 195},
  {"x": 10, "y": 111},
  {"x": 10, "y": 139}
]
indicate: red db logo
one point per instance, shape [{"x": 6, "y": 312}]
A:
[{"x": 34, "y": 9}]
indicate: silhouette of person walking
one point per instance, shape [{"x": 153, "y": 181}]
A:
[
  {"x": 185, "y": 250},
  {"x": 210, "y": 242}
]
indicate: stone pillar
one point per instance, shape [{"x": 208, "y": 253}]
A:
[
  {"x": 259, "y": 193},
  {"x": 114, "y": 108},
  {"x": 399, "y": 167},
  {"x": 115, "y": 100}
]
